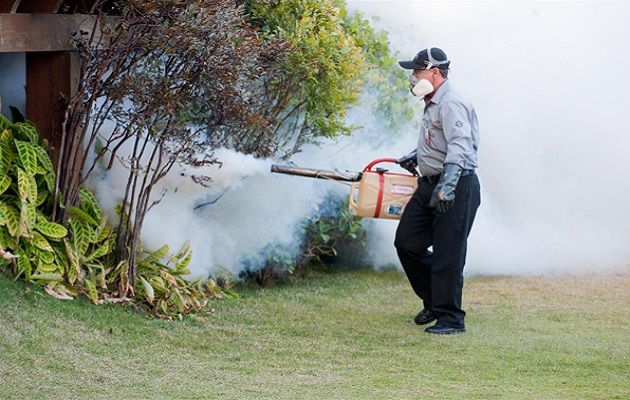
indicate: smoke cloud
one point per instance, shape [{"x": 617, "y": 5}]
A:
[{"x": 549, "y": 85}]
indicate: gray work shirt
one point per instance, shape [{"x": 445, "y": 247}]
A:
[{"x": 449, "y": 133}]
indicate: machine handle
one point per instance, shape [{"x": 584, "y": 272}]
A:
[
  {"x": 368, "y": 168},
  {"x": 377, "y": 161}
]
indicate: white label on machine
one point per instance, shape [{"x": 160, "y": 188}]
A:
[{"x": 402, "y": 189}]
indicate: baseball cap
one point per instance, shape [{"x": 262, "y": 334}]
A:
[{"x": 431, "y": 57}]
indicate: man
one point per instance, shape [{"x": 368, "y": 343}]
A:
[{"x": 442, "y": 210}]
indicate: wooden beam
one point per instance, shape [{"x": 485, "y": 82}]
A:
[
  {"x": 42, "y": 32},
  {"x": 39, "y": 6},
  {"x": 51, "y": 77}
]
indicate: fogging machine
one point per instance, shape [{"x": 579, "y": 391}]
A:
[{"x": 374, "y": 193}]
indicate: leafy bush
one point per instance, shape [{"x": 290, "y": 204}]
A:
[
  {"x": 78, "y": 257},
  {"x": 315, "y": 82},
  {"x": 385, "y": 83},
  {"x": 329, "y": 226},
  {"x": 174, "y": 80}
]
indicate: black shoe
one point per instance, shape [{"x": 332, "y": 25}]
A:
[
  {"x": 444, "y": 330},
  {"x": 424, "y": 317}
]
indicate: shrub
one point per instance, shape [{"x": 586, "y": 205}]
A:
[
  {"x": 78, "y": 257},
  {"x": 329, "y": 226}
]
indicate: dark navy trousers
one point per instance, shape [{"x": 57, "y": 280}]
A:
[{"x": 438, "y": 277}]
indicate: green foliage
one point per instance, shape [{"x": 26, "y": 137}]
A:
[
  {"x": 163, "y": 289},
  {"x": 329, "y": 226},
  {"x": 24, "y": 167},
  {"x": 385, "y": 83},
  {"x": 312, "y": 85},
  {"x": 79, "y": 257},
  {"x": 278, "y": 263},
  {"x": 176, "y": 80}
]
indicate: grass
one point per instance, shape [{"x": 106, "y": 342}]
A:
[{"x": 329, "y": 335}]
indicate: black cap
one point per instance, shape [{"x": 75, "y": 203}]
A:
[{"x": 432, "y": 57}]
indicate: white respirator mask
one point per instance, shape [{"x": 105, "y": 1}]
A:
[{"x": 420, "y": 87}]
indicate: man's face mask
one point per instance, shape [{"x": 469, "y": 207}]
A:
[{"x": 420, "y": 87}]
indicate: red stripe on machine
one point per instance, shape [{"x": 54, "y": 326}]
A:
[{"x": 379, "y": 200}]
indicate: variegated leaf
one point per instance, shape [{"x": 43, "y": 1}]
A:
[
  {"x": 40, "y": 242},
  {"x": 42, "y": 195},
  {"x": 26, "y": 131},
  {"x": 82, "y": 234},
  {"x": 27, "y": 156},
  {"x": 89, "y": 203},
  {"x": 61, "y": 259},
  {"x": 50, "y": 182},
  {"x": 51, "y": 230},
  {"x": 24, "y": 264},
  {"x": 105, "y": 229},
  {"x": 28, "y": 217},
  {"x": 77, "y": 212},
  {"x": 4, "y": 123},
  {"x": 43, "y": 159},
  {"x": 182, "y": 252},
  {"x": 184, "y": 263},
  {"x": 156, "y": 256},
  {"x": 8, "y": 241},
  {"x": 12, "y": 216},
  {"x": 169, "y": 278},
  {"x": 5, "y": 182},
  {"x": 47, "y": 257},
  {"x": 74, "y": 268},
  {"x": 32, "y": 193},
  {"x": 91, "y": 291},
  {"x": 72, "y": 274},
  {"x": 7, "y": 135},
  {"x": 23, "y": 184},
  {"x": 148, "y": 289},
  {"x": 99, "y": 252},
  {"x": 158, "y": 284},
  {"x": 6, "y": 152},
  {"x": 47, "y": 268}
]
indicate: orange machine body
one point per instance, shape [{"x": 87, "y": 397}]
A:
[{"x": 380, "y": 193}]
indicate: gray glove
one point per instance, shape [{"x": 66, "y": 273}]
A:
[
  {"x": 444, "y": 193},
  {"x": 409, "y": 162}
]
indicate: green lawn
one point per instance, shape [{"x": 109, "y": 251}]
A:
[{"x": 329, "y": 335}]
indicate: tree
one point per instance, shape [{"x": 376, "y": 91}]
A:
[
  {"x": 313, "y": 85},
  {"x": 175, "y": 80},
  {"x": 384, "y": 80}
]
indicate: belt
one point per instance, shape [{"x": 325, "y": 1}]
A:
[{"x": 436, "y": 178}]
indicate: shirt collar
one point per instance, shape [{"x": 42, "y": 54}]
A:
[{"x": 439, "y": 93}]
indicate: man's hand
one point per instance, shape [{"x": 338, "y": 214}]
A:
[
  {"x": 444, "y": 193},
  {"x": 409, "y": 162}
]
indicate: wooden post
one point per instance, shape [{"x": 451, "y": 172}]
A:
[
  {"x": 52, "y": 65},
  {"x": 51, "y": 78}
]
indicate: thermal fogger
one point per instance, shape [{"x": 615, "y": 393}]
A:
[{"x": 374, "y": 193}]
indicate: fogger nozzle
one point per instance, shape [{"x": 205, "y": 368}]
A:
[{"x": 348, "y": 176}]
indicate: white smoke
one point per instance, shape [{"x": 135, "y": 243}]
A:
[{"x": 549, "y": 82}]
